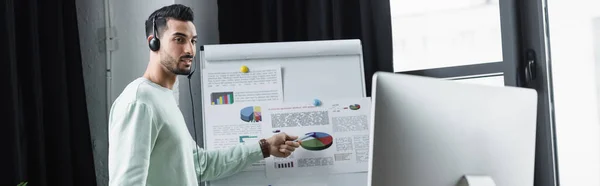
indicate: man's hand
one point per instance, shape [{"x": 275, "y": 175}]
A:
[{"x": 282, "y": 145}]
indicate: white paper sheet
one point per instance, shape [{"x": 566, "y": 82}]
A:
[
  {"x": 336, "y": 137},
  {"x": 233, "y": 105},
  {"x": 229, "y": 85}
]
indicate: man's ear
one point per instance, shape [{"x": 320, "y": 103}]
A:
[
  {"x": 149, "y": 38},
  {"x": 153, "y": 43}
]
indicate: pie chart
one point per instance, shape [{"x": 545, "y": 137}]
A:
[
  {"x": 316, "y": 141},
  {"x": 251, "y": 114}
]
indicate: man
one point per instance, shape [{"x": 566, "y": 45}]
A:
[{"x": 149, "y": 143}]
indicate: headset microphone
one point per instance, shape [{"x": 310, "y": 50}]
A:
[
  {"x": 194, "y": 63},
  {"x": 193, "y": 70}
]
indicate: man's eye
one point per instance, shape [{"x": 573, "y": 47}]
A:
[
  {"x": 194, "y": 41},
  {"x": 178, "y": 39}
]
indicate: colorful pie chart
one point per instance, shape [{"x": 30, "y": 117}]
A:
[
  {"x": 251, "y": 114},
  {"x": 316, "y": 141}
]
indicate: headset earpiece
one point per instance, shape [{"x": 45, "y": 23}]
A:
[{"x": 154, "y": 42}]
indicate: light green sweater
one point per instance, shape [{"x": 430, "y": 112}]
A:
[{"x": 149, "y": 143}]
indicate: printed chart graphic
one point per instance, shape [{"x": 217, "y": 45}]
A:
[
  {"x": 284, "y": 165},
  {"x": 243, "y": 138},
  {"x": 354, "y": 107},
  {"x": 251, "y": 114},
  {"x": 221, "y": 98},
  {"x": 316, "y": 141}
]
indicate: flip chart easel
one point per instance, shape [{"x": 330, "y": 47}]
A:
[{"x": 323, "y": 70}]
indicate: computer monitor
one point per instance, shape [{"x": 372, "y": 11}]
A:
[{"x": 432, "y": 132}]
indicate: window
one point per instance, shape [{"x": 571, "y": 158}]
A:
[
  {"x": 440, "y": 33},
  {"x": 574, "y": 35}
]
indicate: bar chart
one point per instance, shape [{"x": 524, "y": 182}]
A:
[
  {"x": 284, "y": 165},
  {"x": 221, "y": 98}
]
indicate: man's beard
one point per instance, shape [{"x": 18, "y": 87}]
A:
[{"x": 172, "y": 65}]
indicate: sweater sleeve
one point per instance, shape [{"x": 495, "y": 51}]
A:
[
  {"x": 132, "y": 134},
  {"x": 217, "y": 164}
]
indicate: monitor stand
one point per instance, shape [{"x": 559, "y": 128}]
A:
[{"x": 476, "y": 180}]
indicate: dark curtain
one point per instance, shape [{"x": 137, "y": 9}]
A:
[
  {"x": 308, "y": 20},
  {"x": 44, "y": 116}
]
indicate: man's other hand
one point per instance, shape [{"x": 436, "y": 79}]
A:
[{"x": 283, "y": 145}]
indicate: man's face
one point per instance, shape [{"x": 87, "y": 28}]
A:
[{"x": 178, "y": 46}]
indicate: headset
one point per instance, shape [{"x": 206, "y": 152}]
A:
[
  {"x": 155, "y": 41},
  {"x": 154, "y": 45}
]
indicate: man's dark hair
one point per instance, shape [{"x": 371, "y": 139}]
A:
[{"x": 176, "y": 11}]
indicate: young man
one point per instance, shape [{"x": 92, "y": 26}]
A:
[{"x": 149, "y": 143}]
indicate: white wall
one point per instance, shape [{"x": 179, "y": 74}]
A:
[
  {"x": 129, "y": 60},
  {"x": 575, "y": 90}
]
